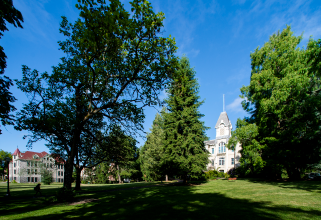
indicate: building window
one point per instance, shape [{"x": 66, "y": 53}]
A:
[
  {"x": 14, "y": 164},
  {"x": 58, "y": 180},
  {"x": 36, "y": 172},
  {"x": 58, "y": 173},
  {"x": 31, "y": 163},
  {"x": 61, "y": 166},
  {"x": 35, "y": 164},
  {"x": 62, "y": 180},
  {"x": 61, "y": 173},
  {"x": 28, "y": 171},
  {"x": 221, "y": 148},
  {"x": 51, "y": 165},
  {"x": 14, "y": 171},
  {"x": 212, "y": 150},
  {"x": 15, "y": 178},
  {"x": 212, "y": 161},
  {"x": 232, "y": 161},
  {"x": 31, "y": 179},
  {"x": 28, "y": 163},
  {"x": 28, "y": 179},
  {"x": 36, "y": 179},
  {"x": 221, "y": 161}
]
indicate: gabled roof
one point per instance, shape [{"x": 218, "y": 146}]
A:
[
  {"x": 29, "y": 155},
  {"x": 16, "y": 152},
  {"x": 223, "y": 118}
]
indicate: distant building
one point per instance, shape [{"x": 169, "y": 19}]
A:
[
  {"x": 26, "y": 167},
  {"x": 221, "y": 158}
]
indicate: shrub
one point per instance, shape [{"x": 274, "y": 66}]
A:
[
  {"x": 226, "y": 175},
  {"x": 13, "y": 181},
  {"x": 84, "y": 182},
  {"x": 46, "y": 177}
]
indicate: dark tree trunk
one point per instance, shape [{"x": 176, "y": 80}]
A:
[
  {"x": 70, "y": 161},
  {"x": 119, "y": 180},
  {"x": 68, "y": 173},
  {"x": 78, "y": 180}
]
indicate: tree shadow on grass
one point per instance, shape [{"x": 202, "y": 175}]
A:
[
  {"x": 164, "y": 202},
  {"x": 311, "y": 186}
]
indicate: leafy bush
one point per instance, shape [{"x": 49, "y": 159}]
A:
[
  {"x": 46, "y": 176},
  {"x": 84, "y": 182},
  {"x": 13, "y": 181},
  {"x": 226, "y": 175},
  {"x": 65, "y": 195},
  {"x": 233, "y": 172},
  {"x": 211, "y": 174}
]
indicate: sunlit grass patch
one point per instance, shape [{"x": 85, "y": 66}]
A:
[{"x": 242, "y": 199}]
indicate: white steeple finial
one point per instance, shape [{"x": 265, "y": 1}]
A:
[{"x": 223, "y": 104}]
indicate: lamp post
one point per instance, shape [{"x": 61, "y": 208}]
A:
[{"x": 8, "y": 190}]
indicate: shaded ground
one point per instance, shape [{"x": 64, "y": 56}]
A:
[{"x": 242, "y": 199}]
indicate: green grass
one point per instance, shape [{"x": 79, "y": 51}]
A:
[{"x": 242, "y": 199}]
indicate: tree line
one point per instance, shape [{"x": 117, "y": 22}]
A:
[{"x": 91, "y": 106}]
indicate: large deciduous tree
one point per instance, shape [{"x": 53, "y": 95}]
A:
[
  {"x": 8, "y": 13},
  {"x": 184, "y": 133},
  {"x": 115, "y": 65},
  {"x": 283, "y": 99}
]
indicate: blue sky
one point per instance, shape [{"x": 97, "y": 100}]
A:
[{"x": 217, "y": 37}]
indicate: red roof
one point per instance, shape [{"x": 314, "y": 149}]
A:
[
  {"x": 28, "y": 155},
  {"x": 58, "y": 158},
  {"x": 16, "y": 152}
]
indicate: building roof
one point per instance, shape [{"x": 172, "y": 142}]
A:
[
  {"x": 16, "y": 152},
  {"x": 211, "y": 142},
  {"x": 223, "y": 118},
  {"x": 28, "y": 155}
]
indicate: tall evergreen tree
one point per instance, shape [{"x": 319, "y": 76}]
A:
[
  {"x": 151, "y": 156},
  {"x": 184, "y": 133}
]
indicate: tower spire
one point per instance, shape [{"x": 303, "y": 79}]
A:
[{"x": 223, "y": 103}]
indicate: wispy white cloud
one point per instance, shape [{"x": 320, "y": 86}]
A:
[
  {"x": 39, "y": 25},
  {"x": 239, "y": 75},
  {"x": 235, "y": 106},
  {"x": 264, "y": 18},
  {"x": 184, "y": 18}
]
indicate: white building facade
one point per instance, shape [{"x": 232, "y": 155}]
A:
[
  {"x": 221, "y": 158},
  {"x": 26, "y": 167}
]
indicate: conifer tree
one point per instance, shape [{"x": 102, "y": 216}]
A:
[
  {"x": 184, "y": 133},
  {"x": 151, "y": 156}
]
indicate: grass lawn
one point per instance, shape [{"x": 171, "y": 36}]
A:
[{"x": 242, "y": 199}]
